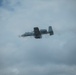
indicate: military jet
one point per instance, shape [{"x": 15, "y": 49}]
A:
[{"x": 38, "y": 33}]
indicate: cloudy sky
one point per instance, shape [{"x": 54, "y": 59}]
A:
[{"x": 51, "y": 55}]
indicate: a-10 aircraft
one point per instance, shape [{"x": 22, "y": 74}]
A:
[{"x": 38, "y": 33}]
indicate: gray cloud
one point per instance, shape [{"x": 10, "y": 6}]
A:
[
  {"x": 1, "y": 2},
  {"x": 51, "y": 55}
]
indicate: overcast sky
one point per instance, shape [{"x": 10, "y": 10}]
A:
[{"x": 51, "y": 55}]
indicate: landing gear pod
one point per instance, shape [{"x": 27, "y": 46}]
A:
[{"x": 50, "y": 30}]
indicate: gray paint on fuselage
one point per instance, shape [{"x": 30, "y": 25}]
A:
[{"x": 43, "y": 31}]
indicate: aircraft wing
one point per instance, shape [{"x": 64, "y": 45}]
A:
[{"x": 37, "y": 33}]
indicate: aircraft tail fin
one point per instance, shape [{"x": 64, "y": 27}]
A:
[{"x": 50, "y": 30}]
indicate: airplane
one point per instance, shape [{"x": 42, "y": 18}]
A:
[{"x": 38, "y": 33}]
